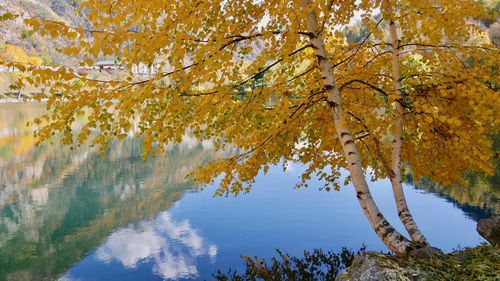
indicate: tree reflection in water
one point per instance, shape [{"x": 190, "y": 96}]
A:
[
  {"x": 479, "y": 200},
  {"x": 57, "y": 205}
]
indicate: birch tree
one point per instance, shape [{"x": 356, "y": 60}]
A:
[{"x": 397, "y": 142}]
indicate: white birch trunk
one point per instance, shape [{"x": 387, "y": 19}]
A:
[
  {"x": 397, "y": 143},
  {"x": 395, "y": 241}
]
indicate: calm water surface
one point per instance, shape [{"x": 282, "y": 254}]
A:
[{"x": 71, "y": 215}]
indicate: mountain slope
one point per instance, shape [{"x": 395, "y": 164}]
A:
[{"x": 14, "y": 32}]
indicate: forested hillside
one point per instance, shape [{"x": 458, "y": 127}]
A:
[{"x": 15, "y": 33}]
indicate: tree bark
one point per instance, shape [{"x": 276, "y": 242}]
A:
[
  {"x": 394, "y": 240},
  {"x": 397, "y": 143}
]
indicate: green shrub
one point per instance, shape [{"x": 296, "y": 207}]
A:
[{"x": 316, "y": 265}]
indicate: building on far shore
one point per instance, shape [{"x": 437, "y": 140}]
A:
[
  {"x": 7, "y": 69},
  {"x": 138, "y": 69},
  {"x": 110, "y": 66},
  {"x": 107, "y": 65},
  {"x": 142, "y": 69}
]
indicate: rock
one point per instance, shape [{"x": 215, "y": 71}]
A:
[
  {"x": 427, "y": 252},
  {"x": 375, "y": 267},
  {"x": 490, "y": 229}
]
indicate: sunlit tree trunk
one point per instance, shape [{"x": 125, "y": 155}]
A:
[
  {"x": 397, "y": 143},
  {"x": 394, "y": 240}
]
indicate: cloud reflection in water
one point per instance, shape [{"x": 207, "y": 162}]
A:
[{"x": 172, "y": 247}]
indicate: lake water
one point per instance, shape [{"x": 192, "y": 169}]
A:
[{"x": 71, "y": 215}]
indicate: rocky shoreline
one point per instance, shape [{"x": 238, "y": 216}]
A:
[{"x": 479, "y": 263}]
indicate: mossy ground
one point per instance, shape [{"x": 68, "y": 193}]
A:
[{"x": 479, "y": 263}]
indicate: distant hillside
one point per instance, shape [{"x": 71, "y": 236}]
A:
[{"x": 15, "y": 33}]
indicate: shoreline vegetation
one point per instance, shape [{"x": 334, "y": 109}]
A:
[
  {"x": 475, "y": 263},
  {"x": 478, "y": 263}
]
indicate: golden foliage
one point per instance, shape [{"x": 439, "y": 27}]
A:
[
  {"x": 212, "y": 53},
  {"x": 14, "y": 54}
]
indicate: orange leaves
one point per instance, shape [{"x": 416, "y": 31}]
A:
[
  {"x": 428, "y": 119},
  {"x": 71, "y": 51},
  {"x": 241, "y": 73},
  {"x": 33, "y": 23}
]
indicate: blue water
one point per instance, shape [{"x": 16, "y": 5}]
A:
[
  {"x": 72, "y": 215},
  {"x": 200, "y": 233}
]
